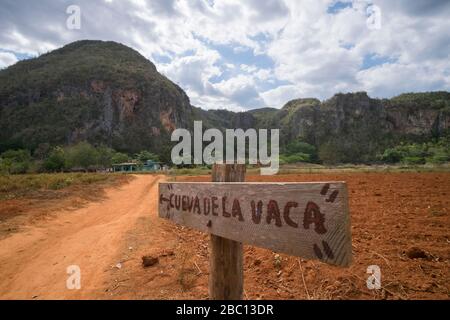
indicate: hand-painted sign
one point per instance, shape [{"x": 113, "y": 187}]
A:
[{"x": 309, "y": 220}]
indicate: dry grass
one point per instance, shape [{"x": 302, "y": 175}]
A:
[
  {"x": 18, "y": 186},
  {"x": 188, "y": 271}
]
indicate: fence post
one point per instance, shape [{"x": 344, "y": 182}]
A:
[{"x": 226, "y": 274}]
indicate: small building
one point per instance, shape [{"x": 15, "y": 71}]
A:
[
  {"x": 125, "y": 167},
  {"x": 151, "y": 165}
]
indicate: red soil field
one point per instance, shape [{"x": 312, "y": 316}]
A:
[{"x": 391, "y": 213}]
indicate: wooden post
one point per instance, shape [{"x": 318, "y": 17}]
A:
[{"x": 226, "y": 274}]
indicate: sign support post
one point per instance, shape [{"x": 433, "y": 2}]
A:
[{"x": 226, "y": 272}]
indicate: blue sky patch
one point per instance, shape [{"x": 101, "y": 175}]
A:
[
  {"x": 160, "y": 58},
  {"x": 238, "y": 57},
  {"x": 372, "y": 60},
  {"x": 338, "y": 6}
]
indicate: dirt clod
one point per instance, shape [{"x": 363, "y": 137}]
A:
[
  {"x": 148, "y": 261},
  {"x": 416, "y": 253}
]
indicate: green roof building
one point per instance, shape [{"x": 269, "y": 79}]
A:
[{"x": 147, "y": 166}]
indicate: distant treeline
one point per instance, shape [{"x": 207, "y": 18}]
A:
[
  {"x": 86, "y": 157},
  {"x": 435, "y": 151},
  {"x": 79, "y": 157}
]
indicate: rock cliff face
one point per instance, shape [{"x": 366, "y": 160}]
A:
[
  {"x": 362, "y": 125},
  {"x": 412, "y": 121},
  {"x": 106, "y": 93},
  {"x": 102, "y": 92},
  {"x": 357, "y": 113}
]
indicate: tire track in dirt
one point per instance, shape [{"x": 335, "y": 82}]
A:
[{"x": 33, "y": 263}]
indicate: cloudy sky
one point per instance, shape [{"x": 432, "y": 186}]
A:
[{"x": 248, "y": 54}]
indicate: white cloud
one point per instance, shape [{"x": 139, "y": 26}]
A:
[
  {"x": 193, "y": 72},
  {"x": 391, "y": 79},
  {"x": 314, "y": 53},
  {"x": 324, "y": 53},
  {"x": 7, "y": 59},
  {"x": 240, "y": 89},
  {"x": 279, "y": 96},
  {"x": 264, "y": 74}
]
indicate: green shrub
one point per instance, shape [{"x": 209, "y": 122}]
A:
[
  {"x": 295, "y": 158},
  {"x": 15, "y": 161},
  {"x": 298, "y": 151},
  {"x": 55, "y": 161},
  {"x": 438, "y": 158},
  {"x": 81, "y": 156},
  {"x": 392, "y": 155},
  {"x": 434, "y": 152}
]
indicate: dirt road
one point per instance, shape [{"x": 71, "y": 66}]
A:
[{"x": 34, "y": 262}]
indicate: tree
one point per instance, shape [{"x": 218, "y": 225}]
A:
[
  {"x": 81, "y": 156},
  {"x": 105, "y": 156},
  {"x": 299, "y": 151},
  {"x": 392, "y": 155},
  {"x": 119, "y": 158},
  {"x": 298, "y": 146},
  {"x": 56, "y": 160},
  {"x": 16, "y": 161},
  {"x": 5, "y": 165},
  {"x": 330, "y": 153},
  {"x": 145, "y": 155}
]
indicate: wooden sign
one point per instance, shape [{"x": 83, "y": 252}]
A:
[{"x": 309, "y": 220}]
